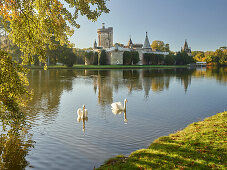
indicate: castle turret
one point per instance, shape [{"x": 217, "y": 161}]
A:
[
  {"x": 95, "y": 45},
  {"x": 185, "y": 45},
  {"x": 186, "y": 48},
  {"x": 130, "y": 44},
  {"x": 147, "y": 43}
]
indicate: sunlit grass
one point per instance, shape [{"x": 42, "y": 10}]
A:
[{"x": 201, "y": 145}]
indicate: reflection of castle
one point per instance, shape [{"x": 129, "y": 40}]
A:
[
  {"x": 156, "y": 80},
  {"x": 115, "y": 52},
  {"x": 105, "y": 88}
]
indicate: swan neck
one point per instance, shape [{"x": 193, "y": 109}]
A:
[{"x": 124, "y": 105}]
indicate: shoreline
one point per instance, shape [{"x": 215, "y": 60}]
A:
[
  {"x": 201, "y": 145},
  {"x": 102, "y": 67}
]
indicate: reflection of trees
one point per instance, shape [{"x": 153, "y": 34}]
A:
[
  {"x": 15, "y": 141},
  {"x": 132, "y": 80},
  {"x": 156, "y": 79},
  {"x": 184, "y": 75},
  {"x": 220, "y": 74},
  {"x": 47, "y": 87}
]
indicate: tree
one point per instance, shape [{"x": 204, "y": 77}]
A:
[
  {"x": 135, "y": 57},
  {"x": 167, "y": 48},
  {"x": 146, "y": 58},
  {"x": 194, "y": 53},
  {"x": 158, "y": 45},
  {"x": 95, "y": 58},
  {"x": 199, "y": 57},
  {"x": 154, "y": 59},
  {"x": 67, "y": 56},
  {"x": 223, "y": 48},
  {"x": 225, "y": 51},
  {"x": 209, "y": 56},
  {"x": 88, "y": 57},
  {"x": 103, "y": 58},
  {"x": 13, "y": 83},
  {"x": 169, "y": 59},
  {"x": 80, "y": 55},
  {"x": 33, "y": 24},
  {"x": 220, "y": 57},
  {"x": 127, "y": 58},
  {"x": 183, "y": 58}
]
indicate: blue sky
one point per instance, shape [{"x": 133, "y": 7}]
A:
[{"x": 202, "y": 22}]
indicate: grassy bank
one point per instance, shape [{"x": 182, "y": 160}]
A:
[
  {"x": 111, "y": 67},
  {"x": 201, "y": 145}
]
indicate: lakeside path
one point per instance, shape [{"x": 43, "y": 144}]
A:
[
  {"x": 201, "y": 145},
  {"x": 111, "y": 67}
]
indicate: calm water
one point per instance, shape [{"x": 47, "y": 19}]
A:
[{"x": 159, "y": 102}]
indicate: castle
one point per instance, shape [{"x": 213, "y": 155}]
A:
[{"x": 115, "y": 51}]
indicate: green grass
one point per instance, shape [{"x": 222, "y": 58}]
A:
[
  {"x": 201, "y": 145},
  {"x": 111, "y": 67}
]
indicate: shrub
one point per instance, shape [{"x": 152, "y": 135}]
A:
[
  {"x": 95, "y": 58},
  {"x": 103, "y": 58},
  {"x": 183, "y": 59},
  {"x": 135, "y": 57},
  {"x": 154, "y": 59},
  {"x": 127, "y": 58},
  {"x": 169, "y": 60}
]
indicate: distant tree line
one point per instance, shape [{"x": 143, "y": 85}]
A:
[
  {"x": 69, "y": 56},
  {"x": 181, "y": 58},
  {"x": 218, "y": 57}
]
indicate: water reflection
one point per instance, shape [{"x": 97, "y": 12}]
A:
[
  {"x": 15, "y": 141},
  {"x": 220, "y": 74},
  {"x": 49, "y": 85},
  {"x": 79, "y": 119},
  {"x": 119, "y": 112},
  {"x": 52, "y": 88},
  {"x": 82, "y": 115}
]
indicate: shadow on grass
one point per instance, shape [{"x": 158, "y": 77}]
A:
[{"x": 200, "y": 146}]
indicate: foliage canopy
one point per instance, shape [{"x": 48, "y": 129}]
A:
[
  {"x": 36, "y": 27},
  {"x": 158, "y": 45},
  {"x": 34, "y": 22},
  {"x": 13, "y": 82}
]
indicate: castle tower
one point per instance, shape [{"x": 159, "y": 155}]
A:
[
  {"x": 105, "y": 37},
  {"x": 147, "y": 44},
  {"x": 95, "y": 45},
  {"x": 130, "y": 44},
  {"x": 186, "y": 48}
]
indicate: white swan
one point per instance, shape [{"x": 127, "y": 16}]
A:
[
  {"x": 82, "y": 113},
  {"x": 117, "y": 106},
  {"x": 116, "y": 112}
]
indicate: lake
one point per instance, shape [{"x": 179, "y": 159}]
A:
[{"x": 160, "y": 102}]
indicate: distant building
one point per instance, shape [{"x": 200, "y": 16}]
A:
[
  {"x": 147, "y": 44},
  {"x": 132, "y": 45},
  {"x": 115, "y": 52},
  {"x": 186, "y": 48},
  {"x": 105, "y": 37},
  {"x": 95, "y": 45}
]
